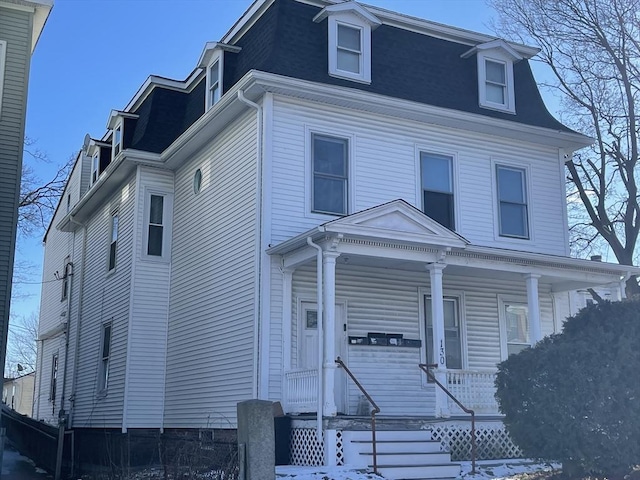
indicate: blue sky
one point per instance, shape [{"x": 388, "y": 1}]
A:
[{"x": 93, "y": 56}]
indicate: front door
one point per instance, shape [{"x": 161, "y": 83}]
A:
[{"x": 308, "y": 351}]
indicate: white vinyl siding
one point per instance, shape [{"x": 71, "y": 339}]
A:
[
  {"x": 105, "y": 299},
  {"x": 387, "y": 300},
  {"x": 149, "y": 310},
  {"x": 211, "y": 349},
  {"x": 385, "y": 167}
]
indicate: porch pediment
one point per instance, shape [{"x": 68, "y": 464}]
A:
[{"x": 396, "y": 221}]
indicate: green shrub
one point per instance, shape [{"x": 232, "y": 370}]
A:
[{"x": 575, "y": 396}]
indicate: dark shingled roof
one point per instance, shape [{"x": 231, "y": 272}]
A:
[{"x": 286, "y": 41}]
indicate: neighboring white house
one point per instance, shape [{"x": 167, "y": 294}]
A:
[
  {"x": 410, "y": 169},
  {"x": 17, "y": 393}
]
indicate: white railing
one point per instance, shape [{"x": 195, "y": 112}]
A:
[
  {"x": 301, "y": 391},
  {"x": 474, "y": 388}
]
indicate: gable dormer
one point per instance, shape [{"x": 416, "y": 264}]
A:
[
  {"x": 99, "y": 155},
  {"x": 120, "y": 124},
  {"x": 349, "y": 45},
  {"x": 495, "y": 74},
  {"x": 212, "y": 60}
]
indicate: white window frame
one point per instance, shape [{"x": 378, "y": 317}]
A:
[
  {"x": 3, "y": 56},
  {"x": 351, "y": 21},
  {"x": 420, "y": 149},
  {"x": 459, "y": 296},
  {"x": 53, "y": 379},
  {"x": 113, "y": 241},
  {"x": 116, "y": 148},
  {"x": 95, "y": 167},
  {"x": 495, "y": 56},
  {"x": 495, "y": 164},
  {"x": 219, "y": 58},
  {"x": 167, "y": 215},
  {"x": 503, "y": 301},
  {"x": 66, "y": 279},
  {"x": 309, "y": 174},
  {"x": 104, "y": 361}
]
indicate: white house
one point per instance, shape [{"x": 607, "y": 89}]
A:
[{"x": 332, "y": 180}]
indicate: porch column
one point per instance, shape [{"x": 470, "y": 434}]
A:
[
  {"x": 533, "y": 302},
  {"x": 439, "y": 346},
  {"x": 287, "y": 294},
  {"x": 329, "y": 321}
]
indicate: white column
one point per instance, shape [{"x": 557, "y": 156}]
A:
[
  {"x": 330, "y": 366},
  {"x": 439, "y": 346},
  {"x": 287, "y": 295},
  {"x": 535, "y": 328}
]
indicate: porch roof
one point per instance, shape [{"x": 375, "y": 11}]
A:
[{"x": 398, "y": 235}]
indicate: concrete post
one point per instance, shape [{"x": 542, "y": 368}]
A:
[{"x": 256, "y": 433}]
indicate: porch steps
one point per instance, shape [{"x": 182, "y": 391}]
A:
[{"x": 406, "y": 454}]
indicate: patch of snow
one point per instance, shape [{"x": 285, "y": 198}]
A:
[{"x": 502, "y": 469}]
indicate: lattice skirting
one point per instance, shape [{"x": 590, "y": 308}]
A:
[
  {"x": 492, "y": 441},
  {"x": 306, "y": 450}
]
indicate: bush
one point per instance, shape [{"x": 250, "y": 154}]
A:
[{"x": 575, "y": 396}]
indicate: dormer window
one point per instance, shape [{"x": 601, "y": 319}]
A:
[
  {"x": 349, "y": 46},
  {"x": 95, "y": 167},
  {"x": 212, "y": 62},
  {"x": 495, "y": 61},
  {"x": 117, "y": 140},
  {"x": 214, "y": 87}
]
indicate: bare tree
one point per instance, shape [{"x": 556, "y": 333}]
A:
[
  {"x": 38, "y": 198},
  {"x": 21, "y": 345},
  {"x": 592, "y": 47}
]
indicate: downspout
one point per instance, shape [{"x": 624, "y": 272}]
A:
[
  {"x": 320, "y": 311},
  {"x": 76, "y": 353},
  {"x": 261, "y": 361}
]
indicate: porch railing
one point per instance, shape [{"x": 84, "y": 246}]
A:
[
  {"x": 301, "y": 391},
  {"x": 474, "y": 388},
  {"x": 426, "y": 368},
  {"x": 375, "y": 409}
]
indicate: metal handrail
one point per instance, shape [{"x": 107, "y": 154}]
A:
[
  {"x": 426, "y": 368},
  {"x": 375, "y": 410}
]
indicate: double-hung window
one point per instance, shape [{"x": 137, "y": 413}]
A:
[
  {"x": 329, "y": 160},
  {"x": 95, "y": 167},
  {"x": 66, "y": 274},
  {"x": 437, "y": 188},
  {"x": 117, "y": 141},
  {"x": 349, "y": 49},
  {"x": 156, "y": 226},
  {"x": 452, "y": 333},
  {"x": 513, "y": 213},
  {"x": 516, "y": 318},
  {"x": 53, "y": 385},
  {"x": 495, "y": 82},
  {"x": 114, "y": 240},
  {"x": 105, "y": 353},
  {"x": 213, "y": 83}
]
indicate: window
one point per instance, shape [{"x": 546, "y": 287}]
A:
[
  {"x": 156, "y": 227},
  {"x": 495, "y": 81},
  {"x": 66, "y": 273},
  {"x": 452, "y": 332},
  {"x": 68, "y": 203},
  {"x": 114, "y": 241},
  {"x": 512, "y": 202},
  {"x": 214, "y": 89},
  {"x": 516, "y": 319},
  {"x": 117, "y": 141},
  {"x": 105, "y": 352},
  {"x": 3, "y": 55},
  {"x": 329, "y": 160},
  {"x": 437, "y": 188},
  {"x": 95, "y": 167},
  {"x": 349, "y": 35},
  {"x": 53, "y": 384}
]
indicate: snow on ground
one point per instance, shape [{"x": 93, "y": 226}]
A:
[{"x": 491, "y": 470}]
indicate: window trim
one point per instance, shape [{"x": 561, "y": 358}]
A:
[
  {"x": 113, "y": 242},
  {"x": 104, "y": 363},
  {"x": 495, "y": 165},
  {"x": 167, "y": 216},
  {"x": 310, "y": 133},
  {"x": 351, "y": 21},
  {"x": 119, "y": 127},
  {"x": 420, "y": 149},
  {"x": 494, "y": 56},
  {"x": 95, "y": 167},
  {"x": 53, "y": 379},
  {"x": 3, "y": 56},
  {"x": 503, "y": 301},
  {"x": 216, "y": 57},
  {"x": 459, "y": 296}
]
